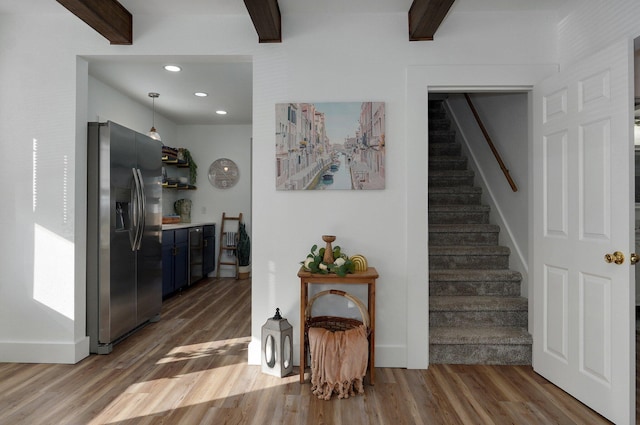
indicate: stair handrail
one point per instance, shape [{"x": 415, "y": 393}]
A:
[{"x": 504, "y": 169}]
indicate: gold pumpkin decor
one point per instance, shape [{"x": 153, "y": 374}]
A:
[{"x": 360, "y": 262}]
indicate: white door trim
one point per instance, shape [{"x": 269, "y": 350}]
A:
[{"x": 420, "y": 80}]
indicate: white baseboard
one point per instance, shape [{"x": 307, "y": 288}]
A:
[
  {"x": 386, "y": 355},
  {"x": 44, "y": 352}
]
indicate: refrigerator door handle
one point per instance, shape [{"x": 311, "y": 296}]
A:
[
  {"x": 135, "y": 210},
  {"x": 143, "y": 208},
  {"x": 133, "y": 231}
]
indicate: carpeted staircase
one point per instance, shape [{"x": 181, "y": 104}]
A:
[{"x": 476, "y": 314}]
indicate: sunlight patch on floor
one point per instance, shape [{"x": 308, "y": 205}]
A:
[
  {"x": 160, "y": 397},
  {"x": 205, "y": 349},
  {"x": 193, "y": 382}
]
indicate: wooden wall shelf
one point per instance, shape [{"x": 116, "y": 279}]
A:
[{"x": 180, "y": 164}]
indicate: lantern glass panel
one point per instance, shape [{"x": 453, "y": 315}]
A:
[
  {"x": 286, "y": 352},
  {"x": 269, "y": 351}
]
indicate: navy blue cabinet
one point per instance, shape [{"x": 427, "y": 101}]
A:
[
  {"x": 167, "y": 262},
  {"x": 209, "y": 249},
  {"x": 175, "y": 260}
]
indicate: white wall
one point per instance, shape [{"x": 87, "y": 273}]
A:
[
  {"x": 108, "y": 104},
  {"x": 206, "y": 144},
  {"x": 636, "y": 76},
  {"x": 588, "y": 26},
  {"x": 322, "y": 58},
  {"x": 389, "y": 226}
]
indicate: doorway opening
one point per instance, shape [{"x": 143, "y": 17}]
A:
[
  {"x": 478, "y": 228},
  {"x": 118, "y": 88}
]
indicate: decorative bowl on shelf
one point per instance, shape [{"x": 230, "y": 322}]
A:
[{"x": 171, "y": 219}]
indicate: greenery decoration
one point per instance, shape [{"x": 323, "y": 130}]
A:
[
  {"x": 340, "y": 266},
  {"x": 193, "y": 167},
  {"x": 244, "y": 246}
]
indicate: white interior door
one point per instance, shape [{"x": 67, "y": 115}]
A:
[{"x": 582, "y": 188}]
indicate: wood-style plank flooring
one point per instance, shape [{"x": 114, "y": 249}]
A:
[{"x": 191, "y": 368}]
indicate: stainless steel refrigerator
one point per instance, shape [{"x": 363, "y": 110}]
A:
[{"x": 124, "y": 226}]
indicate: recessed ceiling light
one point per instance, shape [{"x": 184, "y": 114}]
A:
[
  {"x": 173, "y": 68},
  {"x": 201, "y": 94},
  {"x": 221, "y": 112}
]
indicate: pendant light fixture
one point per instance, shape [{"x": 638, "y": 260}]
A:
[{"x": 153, "y": 133}]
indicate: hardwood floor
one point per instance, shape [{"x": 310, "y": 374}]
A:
[{"x": 191, "y": 368}]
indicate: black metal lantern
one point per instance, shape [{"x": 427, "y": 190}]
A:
[{"x": 277, "y": 346}]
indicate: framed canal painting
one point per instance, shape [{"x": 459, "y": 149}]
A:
[{"x": 330, "y": 146}]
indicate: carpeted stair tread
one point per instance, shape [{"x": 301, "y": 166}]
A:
[
  {"x": 448, "y": 158},
  {"x": 495, "y": 288},
  {"x": 440, "y": 123},
  {"x": 436, "y": 112},
  {"x": 448, "y": 163},
  {"x": 450, "y": 178},
  {"x": 458, "y": 214},
  {"x": 454, "y": 195},
  {"x": 442, "y": 208},
  {"x": 441, "y": 132},
  {"x": 472, "y": 275},
  {"x": 455, "y": 190},
  {"x": 507, "y": 335},
  {"x": 436, "y": 145},
  {"x": 480, "y": 354},
  {"x": 461, "y": 250},
  {"x": 463, "y": 234},
  {"x": 451, "y": 173},
  {"x": 474, "y": 282},
  {"x": 477, "y": 303},
  {"x": 442, "y": 137},
  {"x": 446, "y": 148},
  {"x": 470, "y": 257},
  {"x": 463, "y": 228}
]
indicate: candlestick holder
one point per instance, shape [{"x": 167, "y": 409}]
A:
[{"x": 328, "y": 251}]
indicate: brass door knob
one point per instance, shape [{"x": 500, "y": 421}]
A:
[
  {"x": 617, "y": 258},
  {"x": 634, "y": 258}
]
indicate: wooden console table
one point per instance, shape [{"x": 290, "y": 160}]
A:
[{"x": 367, "y": 277}]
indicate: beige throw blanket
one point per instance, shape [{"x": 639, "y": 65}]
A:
[{"x": 338, "y": 361}]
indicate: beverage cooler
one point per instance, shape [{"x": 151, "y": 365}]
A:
[{"x": 195, "y": 254}]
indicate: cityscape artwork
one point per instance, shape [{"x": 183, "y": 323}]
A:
[{"x": 330, "y": 146}]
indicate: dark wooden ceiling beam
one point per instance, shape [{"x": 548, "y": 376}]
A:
[
  {"x": 108, "y": 17},
  {"x": 425, "y": 16},
  {"x": 265, "y": 15}
]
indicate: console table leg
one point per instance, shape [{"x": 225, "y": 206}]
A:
[{"x": 303, "y": 307}]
